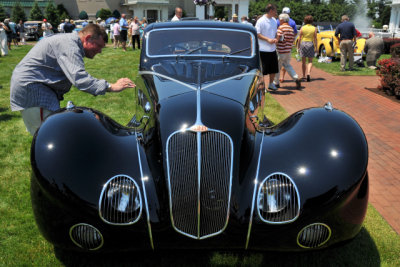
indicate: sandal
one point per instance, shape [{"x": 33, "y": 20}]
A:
[
  {"x": 304, "y": 79},
  {"x": 281, "y": 80}
]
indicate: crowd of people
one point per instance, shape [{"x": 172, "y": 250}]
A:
[
  {"x": 276, "y": 35},
  {"x": 11, "y": 33}
]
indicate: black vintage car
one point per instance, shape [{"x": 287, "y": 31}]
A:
[
  {"x": 197, "y": 167},
  {"x": 33, "y": 30}
]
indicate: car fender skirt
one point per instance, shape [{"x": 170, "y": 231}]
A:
[
  {"x": 325, "y": 154},
  {"x": 81, "y": 148}
]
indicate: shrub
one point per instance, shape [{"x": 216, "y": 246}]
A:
[
  {"x": 389, "y": 73},
  {"x": 388, "y": 42},
  {"x": 395, "y": 50}
]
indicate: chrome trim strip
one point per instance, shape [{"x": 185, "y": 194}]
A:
[
  {"x": 229, "y": 78},
  {"x": 310, "y": 225},
  {"x": 79, "y": 245},
  {"x": 145, "y": 196},
  {"x": 167, "y": 77},
  {"x": 298, "y": 199},
  {"x": 170, "y": 189},
  {"x": 254, "y": 194},
  {"x": 198, "y": 135},
  {"x": 252, "y": 37},
  {"x": 102, "y": 194},
  {"x": 196, "y": 88}
]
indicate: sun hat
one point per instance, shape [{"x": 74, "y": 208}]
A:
[
  {"x": 235, "y": 16},
  {"x": 286, "y": 10}
]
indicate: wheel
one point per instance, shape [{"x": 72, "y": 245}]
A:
[{"x": 322, "y": 51}]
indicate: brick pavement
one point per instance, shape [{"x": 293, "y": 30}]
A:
[{"x": 378, "y": 116}]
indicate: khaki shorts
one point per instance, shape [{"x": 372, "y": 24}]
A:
[{"x": 33, "y": 118}]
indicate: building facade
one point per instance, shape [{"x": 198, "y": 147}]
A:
[
  {"x": 153, "y": 10},
  {"x": 25, "y": 4},
  {"x": 394, "y": 25}
]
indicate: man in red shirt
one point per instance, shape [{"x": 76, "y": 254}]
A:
[{"x": 285, "y": 36}]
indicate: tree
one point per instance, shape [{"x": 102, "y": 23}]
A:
[
  {"x": 62, "y": 12},
  {"x": 3, "y": 14},
  {"x": 83, "y": 15},
  {"x": 116, "y": 14},
  {"x": 52, "y": 15},
  {"x": 104, "y": 13},
  {"x": 63, "y": 16},
  {"x": 36, "y": 13},
  {"x": 18, "y": 13}
]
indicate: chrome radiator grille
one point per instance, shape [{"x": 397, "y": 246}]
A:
[{"x": 199, "y": 173}]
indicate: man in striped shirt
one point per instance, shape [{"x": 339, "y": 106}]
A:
[
  {"x": 51, "y": 67},
  {"x": 285, "y": 36}
]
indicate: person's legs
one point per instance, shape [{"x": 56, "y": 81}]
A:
[
  {"x": 33, "y": 118},
  {"x": 309, "y": 65},
  {"x": 138, "y": 41},
  {"x": 123, "y": 37},
  {"x": 350, "y": 52},
  {"x": 343, "y": 56},
  {"x": 303, "y": 66},
  {"x": 269, "y": 62},
  {"x": 282, "y": 74},
  {"x": 285, "y": 59},
  {"x": 276, "y": 79}
]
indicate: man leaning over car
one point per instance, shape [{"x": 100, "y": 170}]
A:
[
  {"x": 49, "y": 70},
  {"x": 347, "y": 32}
]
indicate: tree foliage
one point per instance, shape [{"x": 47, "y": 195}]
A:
[
  {"x": 104, "y": 13},
  {"x": 116, "y": 14},
  {"x": 379, "y": 12},
  {"x": 83, "y": 15},
  {"x": 62, "y": 12},
  {"x": 18, "y": 13},
  {"x": 52, "y": 15},
  {"x": 36, "y": 13},
  {"x": 321, "y": 11},
  {"x": 3, "y": 14}
]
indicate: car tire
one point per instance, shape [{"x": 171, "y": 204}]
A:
[{"x": 322, "y": 51}]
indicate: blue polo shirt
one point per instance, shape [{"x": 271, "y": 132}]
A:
[{"x": 346, "y": 30}]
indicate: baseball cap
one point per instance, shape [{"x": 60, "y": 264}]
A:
[
  {"x": 44, "y": 20},
  {"x": 286, "y": 10}
]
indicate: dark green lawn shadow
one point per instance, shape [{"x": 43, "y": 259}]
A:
[{"x": 361, "y": 251}]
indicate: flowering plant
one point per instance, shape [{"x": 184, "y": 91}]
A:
[
  {"x": 389, "y": 73},
  {"x": 203, "y": 2}
]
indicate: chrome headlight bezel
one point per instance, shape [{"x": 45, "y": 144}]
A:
[
  {"x": 278, "y": 200},
  {"x": 120, "y": 201}
]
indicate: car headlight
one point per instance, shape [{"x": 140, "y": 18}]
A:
[
  {"x": 120, "y": 201},
  {"x": 278, "y": 199}
]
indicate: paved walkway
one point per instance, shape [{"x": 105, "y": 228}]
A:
[{"x": 378, "y": 116}]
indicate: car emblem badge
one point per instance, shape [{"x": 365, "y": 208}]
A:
[{"x": 199, "y": 128}]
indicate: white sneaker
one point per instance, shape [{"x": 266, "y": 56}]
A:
[{"x": 272, "y": 87}]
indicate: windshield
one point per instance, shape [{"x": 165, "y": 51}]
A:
[
  {"x": 30, "y": 24},
  {"x": 200, "y": 42}
]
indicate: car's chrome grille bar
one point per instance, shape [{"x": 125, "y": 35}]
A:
[{"x": 199, "y": 183}]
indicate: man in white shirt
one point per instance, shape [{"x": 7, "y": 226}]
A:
[
  {"x": 178, "y": 14},
  {"x": 47, "y": 28},
  {"x": 266, "y": 28}
]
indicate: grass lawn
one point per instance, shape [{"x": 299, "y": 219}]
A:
[
  {"x": 334, "y": 68},
  {"x": 22, "y": 245}
]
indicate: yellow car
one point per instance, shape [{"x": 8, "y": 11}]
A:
[{"x": 328, "y": 44}]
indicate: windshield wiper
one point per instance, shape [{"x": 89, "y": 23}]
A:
[
  {"x": 239, "y": 51},
  {"x": 194, "y": 50}
]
